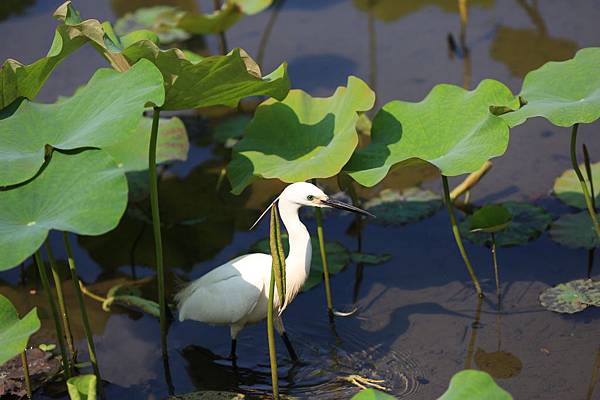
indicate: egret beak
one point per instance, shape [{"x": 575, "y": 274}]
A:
[{"x": 344, "y": 206}]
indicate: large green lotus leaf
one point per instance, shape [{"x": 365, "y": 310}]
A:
[
  {"x": 105, "y": 111},
  {"x": 216, "y": 80},
  {"x": 565, "y": 93},
  {"x": 568, "y": 188},
  {"x": 392, "y": 10},
  {"x": 528, "y": 222},
  {"x": 490, "y": 218},
  {"x": 82, "y": 387},
  {"x": 571, "y": 297},
  {"x": 84, "y": 193},
  {"x": 451, "y": 128},
  {"x": 372, "y": 394},
  {"x": 15, "y": 332},
  {"x": 131, "y": 154},
  {"x": 218, "y": 21},
  {"x": 301, "y": 137},
  {"x": 471, "y": 384},
  {"x": 400, "y": 208},
  {"x": 575, "y": 230}
]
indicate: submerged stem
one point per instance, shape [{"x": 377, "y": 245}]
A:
[
  {"x": 162, "y": 301},
  {"x": 57, "y": 325},
  {"x": 586, "y": 194},
  {"x": 458, "y": 238},
  {"x": 496, "y": 270},
  {"x": 26, "y": 373},
  {"x": 270, "y": 328},
  {"x": 84, "y": 316}
]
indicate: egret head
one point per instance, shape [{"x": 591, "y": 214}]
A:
[{"x": 307, "y": 194}]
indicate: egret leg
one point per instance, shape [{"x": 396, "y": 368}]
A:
[
  {"x": 232, "y": 355},
  {"x": 286, "y": 340}
]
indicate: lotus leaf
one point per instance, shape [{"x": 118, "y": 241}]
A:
[
  {"x": 105, "y": 111},
  {"x": 82, "y": 387},
  {"x": 528, "y": 222},
  {"x": 162, "y": 20},
  {"x": 338, "y": 257},
  {"x": 301, "y": 137},
  {"x": 372, "y": 394},
  {"x": 232, "y": 127},
  {"x": 474, "y": 385},
  {"x": 575, "y": 230},
  {"x": 399, "y": 208},
  {"x": 15, "y": 332},
  {"x": 131, "y": 154},
  {"x": 452, "y": 128},
  {"x": 84, "y": 193},
  {"x": 490, "y": 218},
  {"x": 571, "y": 297},
  {"x": 568, "y": 188},
  {"x": 218, "y": 21},
  {"x": 565, "y": 93}
]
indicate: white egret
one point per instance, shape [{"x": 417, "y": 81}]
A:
[{"x": 236, "y": 293}]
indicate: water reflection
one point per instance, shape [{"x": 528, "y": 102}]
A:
[
  {"x": 9, "y": 8},
  {"x": 392, "y": 10},
  {"x": 122, "y": 7}
]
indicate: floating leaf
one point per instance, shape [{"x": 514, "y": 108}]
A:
[
  {"x": 15, "y": 332},
  {"x": 131, "y": 154},
  {"x": 528, "y": 223},
  {"x": 565, "y": 93},
  {"x": 571, "y": 297},
  {"x": 474, "y": 385},
  {"x": 162, "y": 20},
  {"x": 457, "y": 141},
  {"x": 301, "y": 137},
  {"x": 84, "y": 193},
  {"x": 568, "y": 188},
  {"x": 82, "y": 387},
  {"x": 499, "y": 364},
  {"x": 105, "y": 111},
  {"x": 372, "y": 394},
  {"x": 363, "y": 258},
  {"x": 575, "y": 230},
  {"x": 399, "y": 208},
  {"x": 490, "y": 218}
]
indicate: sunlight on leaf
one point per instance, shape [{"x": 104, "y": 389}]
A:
[
  {"x": 575, "y": 231},
  {"x": 372, "y": 394},
  {"x": 490, "y": 218},
  {"x": 82, "y": 387},
  {"x": 474, "y": 385},
  {"x": 15, "y": 332},
  {"x": 400, "y": 208},
  {"x": 571, "y": 297},
  {"x": 568, "y": 188},
  {"x": 162, "y": 20}
]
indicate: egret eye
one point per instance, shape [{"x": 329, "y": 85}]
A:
[{"x": 310, "y": 197}]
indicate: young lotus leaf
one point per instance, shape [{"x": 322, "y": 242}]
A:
[
  {"x": 527, "y": 223},
  {"x": 217, "y": 80},
  {"x": 452, "y": 128},
  {"x": 105, "y": 111},
  {"x": 401, "y": 208},
  {"x": 565, "y": 93},
  {"x": 84, "y": 193},
  {"x": 301, "y": 137},
  {"x": 82, "y": 387},
  {"x": 571, "y": 297},
  {"x": 490, "y": 218},
  {"x": 15, "y": 332},
  {"x": 575, "y": 231},
  {"x": 131, "y": 154},
  {"x": 474, "y": 385},
  {"x": 568, "y": 188},
  {"x": 372, "y": 394},
  {"x": 338, "y": 257}
]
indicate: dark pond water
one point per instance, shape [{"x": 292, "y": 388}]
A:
[{"x": 418, "y": 321}]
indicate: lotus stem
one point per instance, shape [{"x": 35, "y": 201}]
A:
[
  {"x": 270, "y": 325},
  {"x": 57, "y": 325},
  {"x": 595, "y": 375},
  {"x": 473, "y": 338},
  {"x": 458, "y": 238},
  {"x": 471, "y": 180},
  {"x": 61, "y": 300},
  {"x": 26, "y": 373},
  {"x": 586, "y": 194},
  {"x": 588, "y": 172},
  {"x": 496, "y": 270},
  {"x": 222, "y": 39},
  {"x": 264, "y": 38},
  {"x": 84, "y": 316},
  {"x": 162, "y": 301}
]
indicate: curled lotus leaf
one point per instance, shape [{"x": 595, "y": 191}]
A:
[
  {"x": 457, "y": 140},
  {"x": 571, "y": 297},
  {"x": 471, "y": 384},
  {"x": 527, "y": 223},
  {"x": 490, "y": 218},
  {"x": 105, "y": 111},
  {"x": 83, "y": 193},
  {"x": 301, "y": 137},
  {"x": 575, "y": 231},
  {"x": 82, "y": 387},
  {"x": 568, "y": 188},
  {"x": 15, "y": 331},
  {"x": 565, "y": 93},
  {"x": 399, "y": 208}
]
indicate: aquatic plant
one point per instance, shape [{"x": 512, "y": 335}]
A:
[
  {"x": 571, "y": 297},
  {"x": 400, "y": 208},
  {"x": 82, "y": 387}
]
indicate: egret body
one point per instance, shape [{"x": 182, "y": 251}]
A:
[{"x": 237, "y": 292}]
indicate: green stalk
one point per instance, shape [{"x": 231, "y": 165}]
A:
[
  {"x": 270, "y": 327},
  {"x": 457, "y": 237},
  {"x": 496, "y": 270},
  {"x": 61, "y": 299},
  {"x": 162, "y": 301},
  {"x": 588, "y": 199},
  {"x": 321, "y": 236},
  {"x": 84, "y": 316},
  {"x": 26, "y": 373},
  {"x": 222, "y": 39},
  {"x": 59, "y": 332}
]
